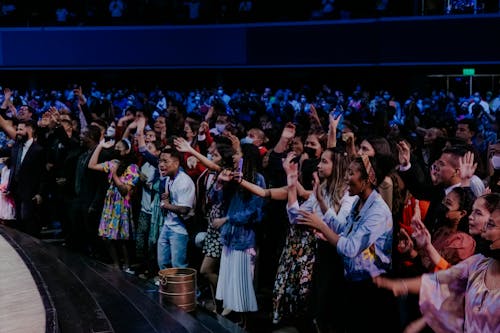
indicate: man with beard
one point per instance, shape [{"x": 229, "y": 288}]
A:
[{"x": 28, "y": 177}]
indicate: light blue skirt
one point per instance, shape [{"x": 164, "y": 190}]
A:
[{"x": 235, "y": 285}]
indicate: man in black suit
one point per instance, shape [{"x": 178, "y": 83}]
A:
[
  {"x": 446, "y": 176},
  {"x": 27, "y": 177}
]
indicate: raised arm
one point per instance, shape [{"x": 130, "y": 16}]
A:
[
  {"x": 184, "y": 147},
  {"x": 332, "y": 131},
  {"x": 93, "y": 162}
]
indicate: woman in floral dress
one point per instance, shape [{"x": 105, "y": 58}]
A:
[{"x": 116, "y": 225}]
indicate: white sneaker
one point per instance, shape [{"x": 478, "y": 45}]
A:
[
  {"x": 129, "y": 271},
  {"x": 226, "y": 311}
]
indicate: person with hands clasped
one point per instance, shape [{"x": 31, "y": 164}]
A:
[
  {"x": 329, "y": 200},
  {"x": 177, "y": 203},
  {"x": 116, "y": 225},
  {"x": 364, "y": 241}
]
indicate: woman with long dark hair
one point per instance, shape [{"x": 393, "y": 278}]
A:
[
  {"x": 116, "y": 225},
  {"x": 237, "y": 229}
]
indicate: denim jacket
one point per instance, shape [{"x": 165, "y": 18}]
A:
[{"x": 238, "y": 232}]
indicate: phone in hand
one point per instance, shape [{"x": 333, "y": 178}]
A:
[
  {"x": 239, "y": 170},
  {"x": 337, "y": 112}
]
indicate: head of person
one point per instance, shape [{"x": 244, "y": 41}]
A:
[
  {"x": 169, "y": 162},
  {"x": 466, "y": 129},
  {"x": 491, "y": 234},
  {"x": 103, "y": 126},
  {"x": 91, "y": 136},
  {"x": 476, "y": 97},
  {"x": 446, "y": 168},
  {"x": 154, "y": 147},
  {"x": 251, "y": 157},
  {"x": 221, "y": 122},
  {"x": 160, "y": 124},
  {"x": 25, "y": 112},
  {"x": 191, "y": 128},
  {"x": 314, "y": 145},
  {"x": 25, "y": 130},
  {"x": 458, "y": 205},
  {"x": 124, "y": 154},
  {"x": 122, "y": 148},
  {"x": 375, "y": 145},
  {"x": 332, "y": 168},
  {"x": 221, "y": 152},
  {"x": 363, "y": 175},
  {"x": 255, "y": 136},
  {"x": 481, "y": 211},
  {"x": 150, "y": 136},
  {"x": 432, "y": 134}
]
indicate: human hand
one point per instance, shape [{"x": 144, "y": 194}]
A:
[
  {"x": 288, "y": 132},
  {"x": 288, "y": 162},
  {"x": 334, "y": 122},
  {"x": 467, "y": 166},
  {"x": 219, "y": 222},
  {"x": 317, "y": 186},
  {"x": 405, "y": 243},
  {"x": 182, "y": 145},
  {"x": 310, "y": 219},
  {"x": 398, "y": 287},
  {"x": 420, "y": 234},
  {"x": 107, "y": 144},
  {"x": 37, "y": 199},
  {"x": 7, "y": 94}
]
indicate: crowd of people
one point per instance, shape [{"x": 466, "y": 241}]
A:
[
  {"x": 344, "y": 204},
  {"x": 144, "y": 12}
]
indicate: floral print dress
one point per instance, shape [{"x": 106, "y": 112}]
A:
[{"x": 116, "y": 219}]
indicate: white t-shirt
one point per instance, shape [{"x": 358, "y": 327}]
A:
[{"x": 182, "y": 193}]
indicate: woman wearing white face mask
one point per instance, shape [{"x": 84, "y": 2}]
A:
[{"x": 110, "y": 132}]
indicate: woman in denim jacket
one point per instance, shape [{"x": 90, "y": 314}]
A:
[{"x": 237, "y": 228}]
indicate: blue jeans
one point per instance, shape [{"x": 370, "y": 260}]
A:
[{"x": 172, "y": 249}]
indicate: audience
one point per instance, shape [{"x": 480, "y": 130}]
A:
[{"x": 230, "y": 165}]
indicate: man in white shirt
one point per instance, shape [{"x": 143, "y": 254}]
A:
[{"x": 177, "y": 203}]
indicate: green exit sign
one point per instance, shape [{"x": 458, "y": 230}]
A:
[{"x": 468, "y": 71}]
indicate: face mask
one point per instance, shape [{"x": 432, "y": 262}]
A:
[
  {"x": 477, "y": 99},
  {"x": 220, "y": 127},
  {"x": 110, "y": 132},
  {"x": 311, "y": 152},
  {"x": 495, "y": 162},
  {"x": 387, "y": 97},
  {"x": 220, "y": 91},
  {"x": 246, "y": 140},
  {"x": 302, "y": 100},
  {"x": 210, "y": 157},
  {"x": 441, "y": 213},
  {"x": 116, "y": 155}
]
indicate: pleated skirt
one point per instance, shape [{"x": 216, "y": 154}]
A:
[{"x": 235, "y": 285}]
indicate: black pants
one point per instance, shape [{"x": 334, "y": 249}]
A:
[
  {"x": 368, "y": 306},
  {"x": 27, "y": 218}
]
